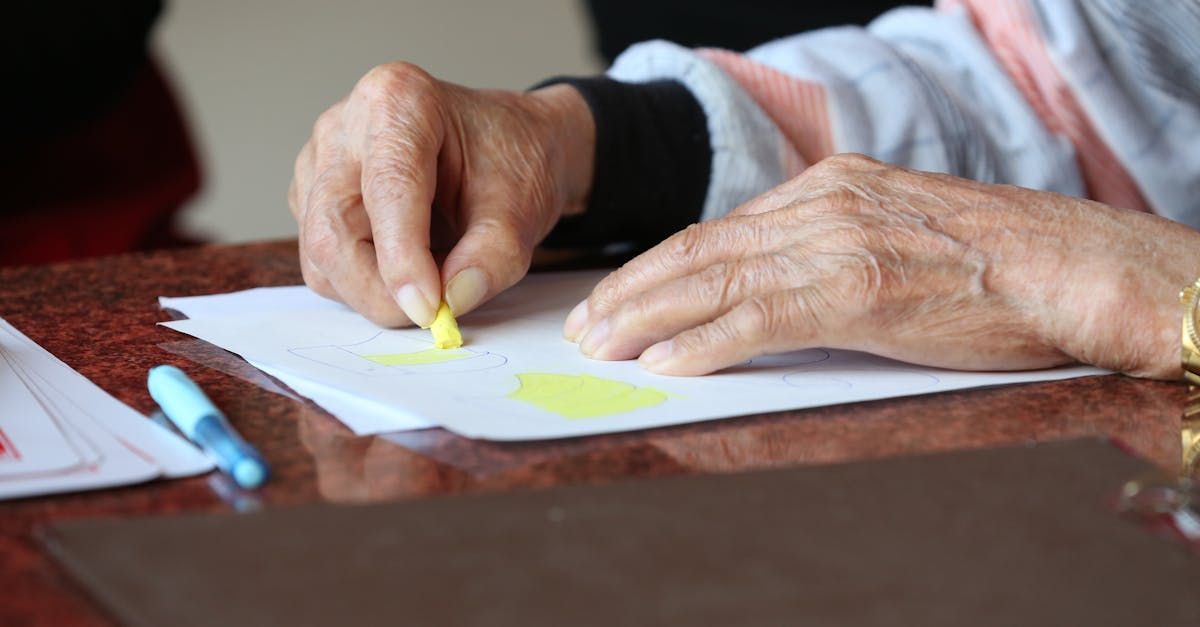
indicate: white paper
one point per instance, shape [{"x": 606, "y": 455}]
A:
[
  {"x": 516, "y": 378},
  {"x": 31, "y": 442},
  {"x": 171, "y": 454},
  {"x": 362, "y": 416},
  {"x": 110, "y": 462},
  {"x": 256, "y": 300}
]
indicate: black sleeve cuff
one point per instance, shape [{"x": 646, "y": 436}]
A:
[{"x": 652, "y": 164}]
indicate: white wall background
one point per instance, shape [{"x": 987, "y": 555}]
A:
[{"x": 253, "y": 76}]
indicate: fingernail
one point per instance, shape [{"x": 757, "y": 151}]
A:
[
  {"x": 575, "y": 321},
  {"x": 595, "y": 338},
  {"x": 466, "y": 289},
  {"x": 657, "y": 354},
  {"x": 415, "y": 306}
]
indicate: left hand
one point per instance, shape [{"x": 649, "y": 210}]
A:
[{"x": 924, "y": 268}]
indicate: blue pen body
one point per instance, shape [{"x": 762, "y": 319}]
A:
[{"x": 186, "y": 405}]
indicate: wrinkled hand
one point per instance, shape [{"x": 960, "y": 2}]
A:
[
  {"x": 408, "y": 168},
  {"x": 924, "y": 268}
]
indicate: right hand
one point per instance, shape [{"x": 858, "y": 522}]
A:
[
  {"x": 920, "y": 267},
  {"x": 408, "y": 167}
]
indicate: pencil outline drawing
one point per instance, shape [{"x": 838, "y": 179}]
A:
[{"x": 372, "y": 363}]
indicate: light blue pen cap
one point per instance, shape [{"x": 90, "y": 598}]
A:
[
  {"x": 186, "y": 405},
  {"x": 249, "y": 473}
]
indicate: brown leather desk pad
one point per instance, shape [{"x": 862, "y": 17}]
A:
[{"x": 1023, "y": 535}]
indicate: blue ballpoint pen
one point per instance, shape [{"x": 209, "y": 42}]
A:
[{"x": 194, "y": 414}]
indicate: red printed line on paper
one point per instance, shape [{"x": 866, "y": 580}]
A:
[{"x": 8, "y": 452}]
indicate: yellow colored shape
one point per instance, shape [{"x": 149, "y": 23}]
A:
[
  {"x": 583, "y": 396},
  {"x": 419, "y": 358},
  {"x": 445, "y": 329}
]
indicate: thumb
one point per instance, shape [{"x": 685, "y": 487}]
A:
[{"x": 491, "y": 256}]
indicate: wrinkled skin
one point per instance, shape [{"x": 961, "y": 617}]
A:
[
  {"x": 920, "y": 267},
  {"x": 408, "y": 168},
  {"x": 851, "y": 254}
]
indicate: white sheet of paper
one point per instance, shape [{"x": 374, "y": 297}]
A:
[
  {"x": 363, "y": 417},
  {"x": 112, "y": 462},
  {"x": 516, "y": 378},
  {"x": 173, "y": 455},
  {"x": 31, "y": 441},
  {"x": 256, "y": 300}
]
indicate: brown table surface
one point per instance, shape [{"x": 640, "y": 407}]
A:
[{"x": 99, "y": 316}]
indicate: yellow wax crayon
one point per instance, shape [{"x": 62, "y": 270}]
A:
[{"x": 445, "y": 329}]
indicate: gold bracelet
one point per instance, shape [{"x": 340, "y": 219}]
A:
[
  {"x": 1189, "y": 434},
  {"x": 1189, "y": 297}
]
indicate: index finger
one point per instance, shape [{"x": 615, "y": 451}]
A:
[
  {"x": 399, "y": 157},
  {"x": 684, "y": 253}
]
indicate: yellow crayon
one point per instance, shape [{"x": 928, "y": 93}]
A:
[{"x": 445, "y": 329}]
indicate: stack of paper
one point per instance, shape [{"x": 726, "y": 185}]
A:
[
  {"x": 59, "y": 432},
  {"x": 516, "y": 378}
]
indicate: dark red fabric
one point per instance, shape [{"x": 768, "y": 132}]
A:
[{"x": 113, "y": 185}]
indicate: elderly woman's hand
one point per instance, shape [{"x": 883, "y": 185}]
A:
[
  {"x": 408, "y": 168},
  {"x": 919, "y": 267}
]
